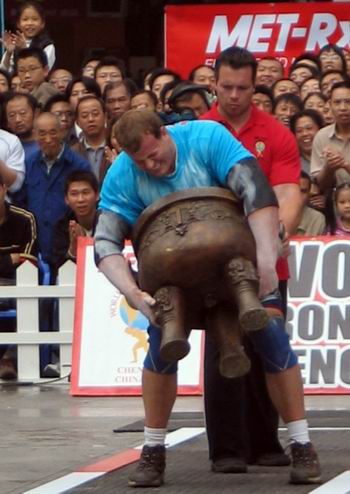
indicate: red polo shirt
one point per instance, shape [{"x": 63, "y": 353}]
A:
[{"x": 275, "y": 148}]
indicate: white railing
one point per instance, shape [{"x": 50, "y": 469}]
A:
[{"x": 27, "y": 292}]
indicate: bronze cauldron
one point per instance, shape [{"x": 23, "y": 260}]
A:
[{"x": 196, "y": 256}]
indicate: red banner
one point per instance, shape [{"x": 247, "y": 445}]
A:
[{"x": 195, "y": 35}]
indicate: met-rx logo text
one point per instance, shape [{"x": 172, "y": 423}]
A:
[{"x": 263, "y": 33}]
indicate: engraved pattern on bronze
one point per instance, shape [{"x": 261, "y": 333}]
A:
[
  {"x": 241, "y": 270},
  {"x": 243, "y": 284},
  {"x": 195, "y": 254},
  {"x": 164, "y": 308},
  {"x": 170, "y": 314},
  {"x": 179, "y": 218}
]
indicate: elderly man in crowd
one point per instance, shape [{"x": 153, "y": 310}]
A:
[{"x": 43, "y": 189}]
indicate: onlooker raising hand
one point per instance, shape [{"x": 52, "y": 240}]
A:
[
  {"x": 30, "y": 33},
  {"x": 330, "y": 149}
]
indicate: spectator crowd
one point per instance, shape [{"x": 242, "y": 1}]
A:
[{"x": 57, "y": 138}]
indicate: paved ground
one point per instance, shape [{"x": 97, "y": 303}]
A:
[
  {"x": 188, "y": 472},
  {"x": 47, "y": 434}
]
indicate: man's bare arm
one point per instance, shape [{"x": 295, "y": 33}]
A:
[
  {"x": 264, "y": 224},
  {"x": 117, "y": 270},
  {"x": 290, "y": 206},
  {"x": 110, "y": 235},
  {"x": 249, "y": 183}
]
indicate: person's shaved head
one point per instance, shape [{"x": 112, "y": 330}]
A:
[
  {"x": 46, "y": 117},
  {"x": 48, "y": 133}
]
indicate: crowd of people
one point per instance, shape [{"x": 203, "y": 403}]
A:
[{"x": 59, "y": 136}]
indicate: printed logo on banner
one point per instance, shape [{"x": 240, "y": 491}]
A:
[
  {"x": 261, "y": 33},
  {"x": 111, "y": 339},
  {"x": 282, "y": 30},
  {"x": 319, "y": 311},
  {"x": 135, "y": 326}
]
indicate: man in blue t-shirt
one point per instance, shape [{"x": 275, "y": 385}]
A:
[
  {"x": 157, "y": 161},
  {"x": 203, "y": 157}
]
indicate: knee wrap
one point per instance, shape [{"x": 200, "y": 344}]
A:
[
  {"x": 272, "y": 344},
  {"x": 152, "y": 361}
]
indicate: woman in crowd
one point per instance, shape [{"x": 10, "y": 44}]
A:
[
  {"x": 318, "y": 102},
  {"x": 285, "y": 106},
  {"x": 305, "y": 126}
]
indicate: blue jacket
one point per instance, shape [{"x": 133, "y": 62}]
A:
[{"x": 43, "y": 193}]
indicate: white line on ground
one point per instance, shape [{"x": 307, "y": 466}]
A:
[
  {"x": 65, "y": 483},
  {"x": 321, "y": 429},
  {"x": 181, "y": 435},
  {"x": 338, "y": 485}
]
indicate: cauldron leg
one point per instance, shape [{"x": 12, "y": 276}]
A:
[
  {"x": 223, "y": 326},
  {"x": 243, "y": 283},
  {"x": 170, "y": 313}
]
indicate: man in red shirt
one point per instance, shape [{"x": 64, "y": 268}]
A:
[{"x": 242, "y": 424}]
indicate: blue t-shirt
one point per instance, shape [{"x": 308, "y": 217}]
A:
[{"x": 206, "y": 152}]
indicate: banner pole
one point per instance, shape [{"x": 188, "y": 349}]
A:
[
  {"x": 165, "y": 45},
  {"x": 2, "y": 22}
]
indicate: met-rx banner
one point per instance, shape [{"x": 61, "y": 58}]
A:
[
  {"x": 195, "y": 35},
  {"x": 319, "y": 312}
]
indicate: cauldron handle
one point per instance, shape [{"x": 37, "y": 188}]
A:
[{"x": 170, "y": 311}]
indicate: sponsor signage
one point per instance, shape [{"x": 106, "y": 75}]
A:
[
  {"x": 319, "y": 312},
  {"x": 195, "y": 35},
  {"x": 110, "y": 339}
]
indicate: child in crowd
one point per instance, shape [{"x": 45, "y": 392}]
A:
[
  {"x": 30, "y": 33},
  {"x": 342, "y": 206}
]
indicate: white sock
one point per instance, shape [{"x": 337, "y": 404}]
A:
[
  {"x": 153, "y": 437},
  {"x": 298, "y": 431}
]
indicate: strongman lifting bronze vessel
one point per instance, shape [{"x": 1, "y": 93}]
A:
[{"x": 196, "y": 256}]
